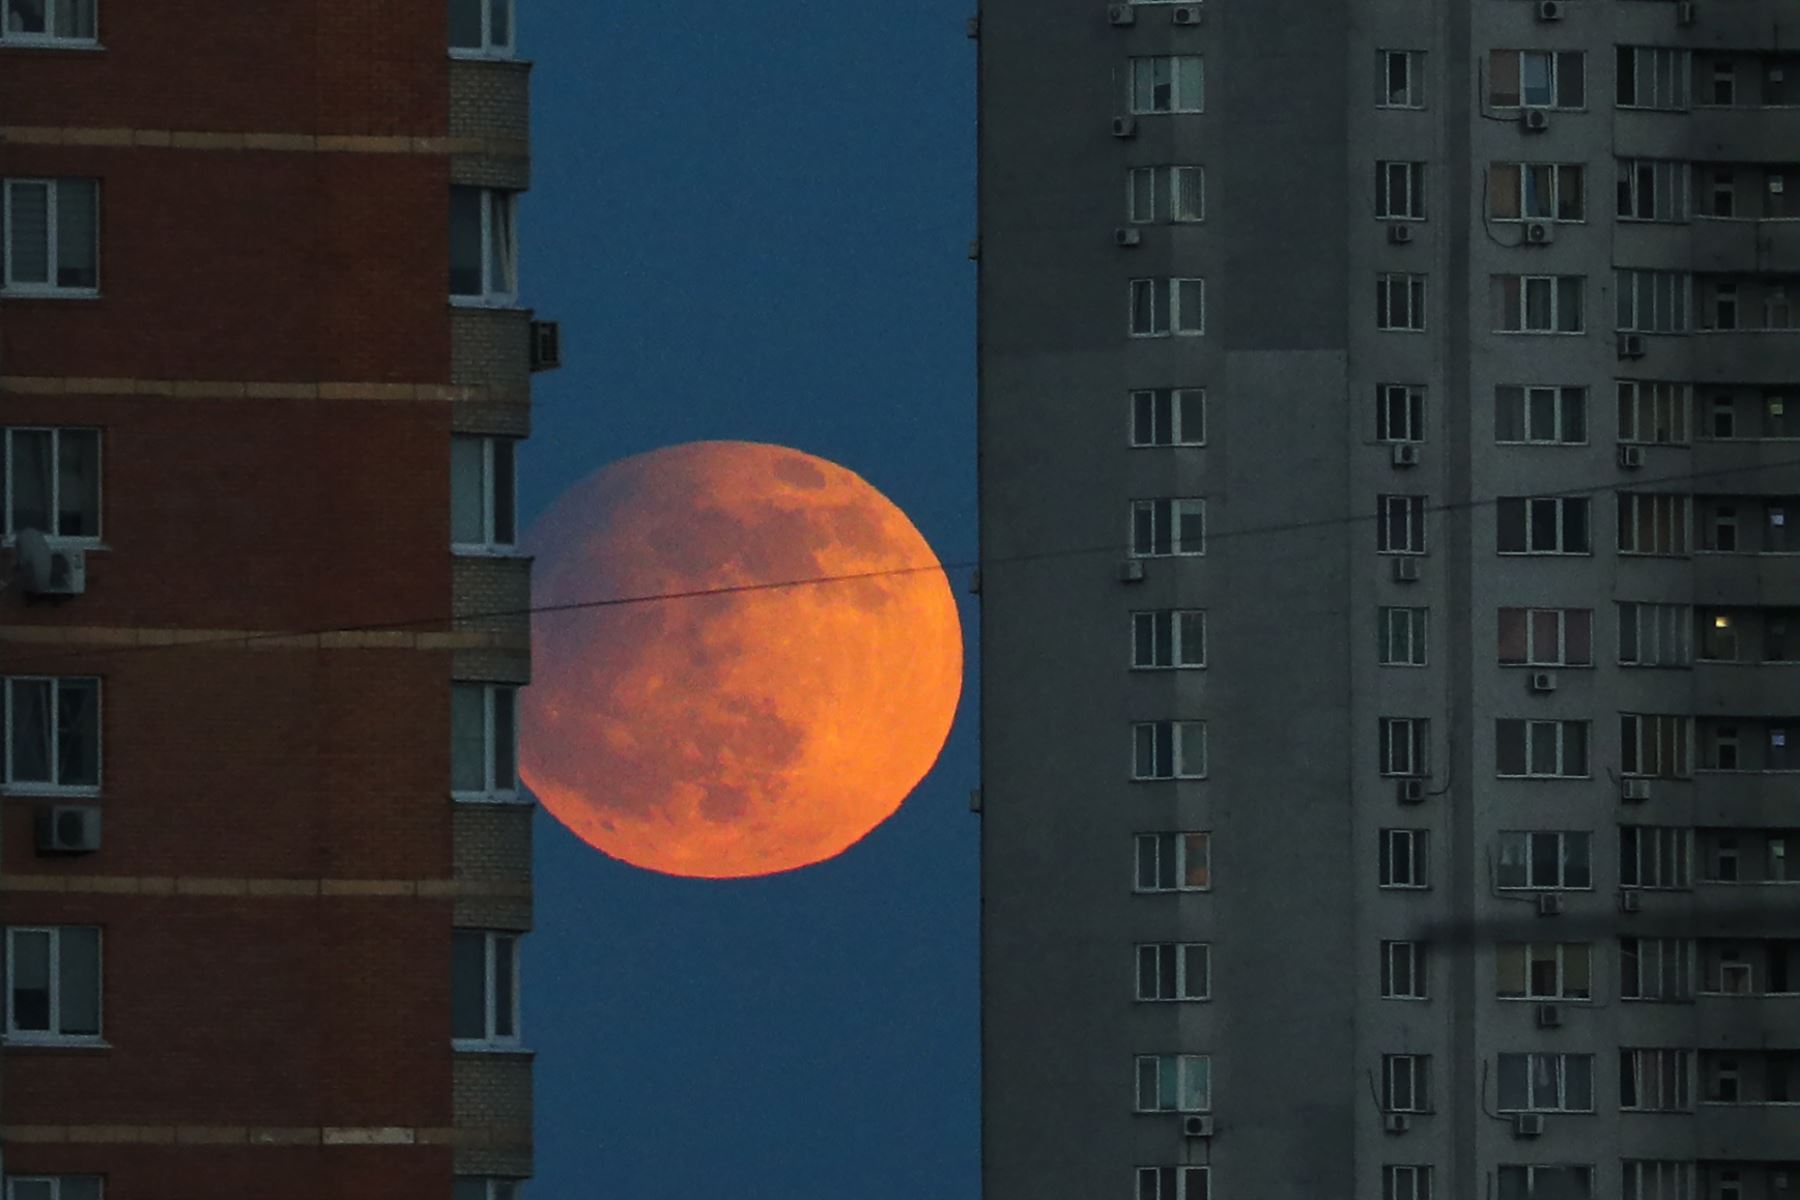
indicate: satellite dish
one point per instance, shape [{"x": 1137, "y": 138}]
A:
[{"x": 32, "y": 562}]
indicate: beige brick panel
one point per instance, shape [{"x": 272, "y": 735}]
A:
[
  {"x": 490, "y": 100},
  {"x": 510, "y": 173},
  {"x": 491, "y": 585},
  {"x": 492, "y": 666},
  {"x": 490, "y": 349},
  {"x": 506, "y": 1162},
  {"x": 492, "y": 1089},
  {"x": 492, "y": 842}
]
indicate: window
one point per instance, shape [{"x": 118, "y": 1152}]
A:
[
  {"x": 1719, "y": 531},
  {"x": 1544, "y": 416},
  {"x": 1654, "y": 1080},
  {"x": 481, "y": 493},
  {"x": 1168, "y": 639},
  {"x": 1724, "y": 80},
  {"x": 1652, "y": 301},
  {"x": 1537, "y": 192},
  {"x": 1723, "y": 308},
  {"x": 1173, "y": 1183},
  {"x": 1546, "y": 637},
  {"x": 1168, "y": 84},
  {"x": 1400, "y": 191},
  {"x": 1406, "y": 1181},
  {"x": 1399, "y": 412},
  {"x": 1653, "y": 413},
  {"x": 1168, "y": 750},
  {"x": 1401, "y": 75},
  {"x": 1405, "y": 858},
  {"x": 1537, "y": 303},
  {"x": 484, "y": 27},
  {"x": 1544, "y": 861},
  {"x": 53, "y": 1187},
  {"x": 1168, "y": 417},
  {"x": 1400, "y": 301},
  {"x": 484, "y": 988},
  {"x": 1173, "y": 862},
  {"x": 1168, "y": 528},
  {"x": 1536, "y": 79},
  {"x": 1724, "y": 194},
  {"x": 1724, "y": 861},
  {"x": 1401, "y": 527},
  {"x": 1721, "y": 752},
  {"x": 1542, "y": 525},
  {"x": 47, "y": 22},
  {"x": 1174, "y": 971},
  {"x": 1546, "y": 1083},
  {"x": 1174, "y": 1083},
  {"x": 484, "y": 741},
  {"x": 50, "y": 481},
  {"x": 1155, "y": 194},
  {"x": 1656, "y": 1179},
  {"x": 1403, "y": 635},
  {"x": 1406, "y": 1083},
  {"x": 1724, "y": 1080},
  {"x": 1656, "y": 969},
  {"x": 1545, "y": 1183},
  {"x": 1655, "y": 635},
  {"x": 1541, "y": 749},
  {"x": 1160, "y": 307},
  {"x": 1653, "y": 523},
  {"x": 1543, "y": 970},
  {"x": 1730, "y": 975},
  {"x": 1653, "y": 77},
  {"x": 483, "y": 241},
  {"x": 1405, "y": 746},
  {"x": 53, "y": 983},
  {"x": 1403, "y": 971},
  {"x": 51, "y": 244},
  {"x": 52, "y": 734},
  {"x": 1655, "y": 857},
  {"x": 1653, "y": 189}
]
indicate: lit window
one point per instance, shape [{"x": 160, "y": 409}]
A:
[
  {"x": 1173, "y": 862},
  {"x": 50, "y": 245},
  {"x": 48, "y": 22},
  {"x": 483, "y": 246},
  {"x": 484, "y": 741},
  {"x": 482, "y": 493},
  {"x": 484, "y": 988},
  {"x": 1168, "y": 417},
  {"x": 53, "y": 983},
  {"x": 1168, "y": 84},
  {"x": 1168, "y": 750},
  {"x": 1543, "y": 970},
  {"x": 1174, "y": 1083},
  {"x": 482, "y": 27},
  {"x": 50, "y": 482},
  {"x": 52, "y": 734}
]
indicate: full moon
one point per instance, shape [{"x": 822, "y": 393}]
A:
[{"x": 773, "y": 668}]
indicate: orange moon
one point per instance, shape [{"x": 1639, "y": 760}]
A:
[{"x": 749, "y": 731}]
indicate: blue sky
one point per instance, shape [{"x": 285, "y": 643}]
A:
[{"x": 751, "y": 221}]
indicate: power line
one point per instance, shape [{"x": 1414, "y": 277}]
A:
[{"x": 439, "y": 619}]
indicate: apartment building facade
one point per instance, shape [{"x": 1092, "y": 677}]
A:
[
  {"x": 264, "y": 865},
  {"x": 1388, "y": 461}
]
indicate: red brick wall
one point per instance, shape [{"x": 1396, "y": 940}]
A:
[{"x": 179, "y": 1173}]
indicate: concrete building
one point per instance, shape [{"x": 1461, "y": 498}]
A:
[
  {"x": 1388, "y": 484},
  {"x": 264, "y": 866}
]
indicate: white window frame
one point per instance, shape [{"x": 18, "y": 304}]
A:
[
  {"x": 1523, "y": 847},
  {"x": 1656, "y": 745},
  {"x": 54, "y": 1035},
  {"x": 1534, "y": 1170},
  {"x": 1657, "y": 1179},
  {"x": 502, "y": 292},
  {"x": 1560, "y": 953},
  {"x": 1167, "y": 515},
  {"x": 1556, "y": 655},
  {"x": 52, "y": 1186},
  {"x": 1670, "y": 519},
  {"x": 493, "y": 539},
  {"x": 1654, "y": 412},
  {"x": 1188, "y": 1070},
  {"x": 12, "y": 786},
  {"x": 1655, "y": 635},
  {"x": 1408, "y": 1073},
  {"x": 493, "y": 1187},
  {"x": 1404, "y": 747},
  {"x": 1405, "y": 1181},
  {"x": 1176, "y": 1182},
  {"x": 1537, "y": 192},
  {"x": 492, "y": 1038},
  {"x": 1176, "y": 849},
  {"x": 1178, "y": 73},
  {"x": 1663, "y": 1075},
  {"x": 1528, "y": 400},
  {"x": 1403, "y": 637},
  {"x": 1656, "y": 970},
  {"x": 1653, "y": 301},
  {"x": 50, "y": 37},
  {"x": 1401, "y": 526},
  {"x": 1557, "y": 1084},
  {"x": 494, "y": 790},
  {"x": 1669, "y": 79},
  {"x": 9, "y": 474},
  {"x": 1656, "y": 858},
  {"x": 1561, "y": 300},
  {"x": 1156, "y": 412},
  {"x": 1412, "y": 94},
  {"x": 1530, "y": 508},
  {"x": 1168, "y": 639},
  {"x": 490, "y": 48},
  {"x": 49, "y": 289},
  {"x": 1661, "y": 187},
  {"x": 1410, "y": 959},
  {"x": 1404, "y": 861},
  {"x": 1176, "y": 958},
  {"x": 1159, "y": 302},
  {"x": 1558, "y": 731},
  {"x": 1399, "y": 412},
  {"x": 1162, "y": 194},
  {"x": 1400, "y": 190},
  {"x": 1552, "y": 63},
  {"x": 1400, "y": 302},
  {"x": 1147, "y": 739}
]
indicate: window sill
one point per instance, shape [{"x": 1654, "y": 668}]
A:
[
  {"x": 30, "y": 43},
  {"x": 63, "y": 543},
  {"x": 494, "y": 303},
  {"x": 490, "y": 1049},
  {"x": 493, "y": 799},
  {"x": 24, "y": 1042},
  {"x": 29, "y": 791},
  {"x": 18, "y": 293},
  {"x": 465, "y": 54},
  {"x": 502, "y": 552}
]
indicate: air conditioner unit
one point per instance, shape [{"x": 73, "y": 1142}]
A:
[
  {"x": 1634, "y": 791},
  {"x": 1550, "y": 904},
  {"x": 1131, "y": 571},
  {"x": 1549, "y": 10},
  {"x": 1400, "y": 235},
  {"x": 1528, "y": 1125},
  {"x": 1188, "y": 14},
  {"x": 1684, "y": 13},
  {"x": 1125, "y": 235},
  {"x": 1630, "y": 900},
  {"x": 1406, "y": 454},
  {"x": 1121, "y": 14},
  {"x": 1406, "y": 570},
  {"x": 1395, "y": 1122},
  {"x": 1631, "y": 457},
  {"x": 1410, "y": 791},
  {"x": 68, "y": 829},
  {"x": 1124, "y": 127},
  {"x": 1539, "y": 233},
  {"x": 1535, "y": 120},
  {"x": 1549, "y": 1016},
  {"x": 1631, "y": 345},
  {"x": 1542, "y": 681},
  {"x": 46, "y": 570},
  {"x": 1197, "y": 1126},
  {"x": 546, "y": 345}
]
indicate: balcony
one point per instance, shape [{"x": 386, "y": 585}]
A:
[
  {"x": 1747, "y": 468},
  {"x": 1743, "y": 1023},
  {"x": 1746, "y": 689},
  {"x": 1718, "y": 134},
  {"x": 1740, "y": 356},
  {"x": 1746, "y": 1131},
  {"x": 1733, "y": 25},
  {"x": 1746, "y": 799},
  {"x": 1717, "y": 244},
  {"x": 1747, "y": 580}
]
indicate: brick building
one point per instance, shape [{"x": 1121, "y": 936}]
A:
[{"x": 263, "y": 861}]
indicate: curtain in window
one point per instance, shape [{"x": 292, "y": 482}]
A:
[
  {"x": 31, "y": 473},
  {"x": 77, "y": 243},
  {"x": 502, "y": 268},
  {"x": 28, "y": 711},
  {"x": 26, "y": 16},
  {"x": 78, "y": 733},
  {"x": 78, "y": 483},
  {"x": 28, "y": 229},
  {"x": 30, "y": 997},
  {"x": 78, "y": 970}
]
